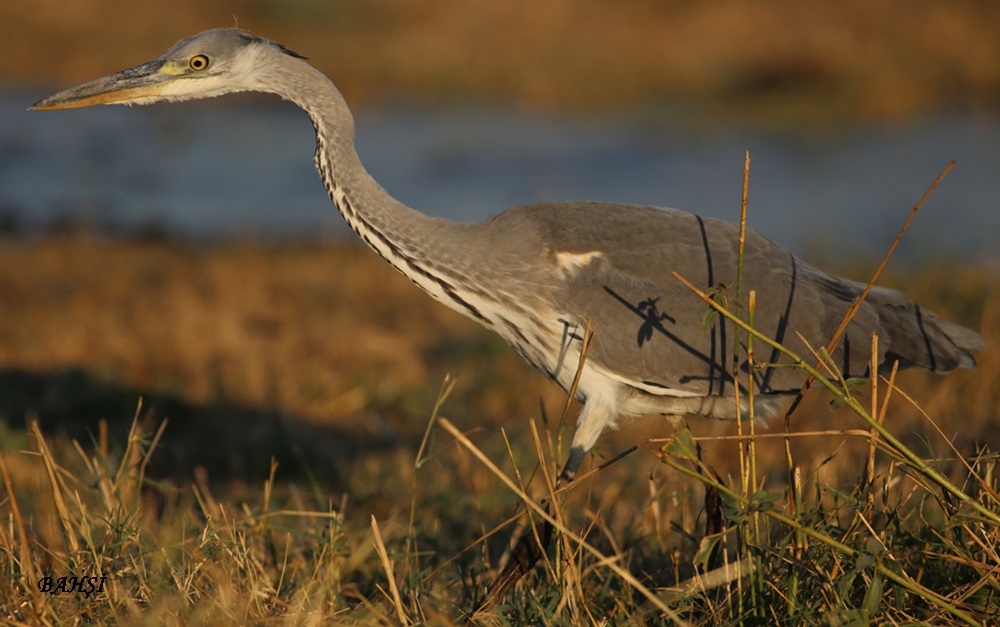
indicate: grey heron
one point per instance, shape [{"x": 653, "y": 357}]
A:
[{"x": 539, "y": 274}]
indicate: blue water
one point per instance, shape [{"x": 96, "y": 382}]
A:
[{"x": 241, "y": 167}]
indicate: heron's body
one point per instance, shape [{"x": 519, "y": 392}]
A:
[{"x": 537, "y": 274}]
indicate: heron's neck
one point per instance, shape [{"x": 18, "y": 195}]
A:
[{"x": 431, "y": 252}]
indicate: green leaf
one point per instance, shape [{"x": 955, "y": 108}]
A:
[
  {"x": 733, "y": 509},
  {"x": 763, "y": 501},
  {"x": 705, "y": 548},
  {"x": 875, "y": 546},
  {"x": 873, "y": 598},
  {"x": 708, "y": 320},
  {"x": 825, "y": 355},
  {"x": 846, "y": 582},
  {"x": 838, "y": 402},
  {"x": 854, "y": 618},
  {"x": 864, "y": 561},
  {"x": 898, "y": 595},
  {"x": 682, "y": 446}
]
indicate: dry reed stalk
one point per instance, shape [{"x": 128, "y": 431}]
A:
[
  {"x": 853, "y": 309},
  {"x": 383, "y": 555},
  {"x": 602, "y": 560},
  {"x": 51, "y": 471},
  {"x": 27, "y": 562}
]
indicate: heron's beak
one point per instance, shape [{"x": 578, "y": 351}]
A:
[{"x": 131, "y": 86}]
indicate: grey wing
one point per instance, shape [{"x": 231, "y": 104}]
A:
[{"x": 649, "y": 327}]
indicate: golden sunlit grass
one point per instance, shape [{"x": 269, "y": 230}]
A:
[
  {"x": 300, "y": 454},
  {"x": 777, "y": 61},
  {"x": 323, "y": 358}
]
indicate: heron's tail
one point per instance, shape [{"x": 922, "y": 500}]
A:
[
  {"x": 964, "y": 339},
  {"x": 920, "y": 338}
]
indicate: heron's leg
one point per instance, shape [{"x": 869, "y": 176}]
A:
[
  {"x": 595, "y": 416},
  {"x": 576, "y": 456}
]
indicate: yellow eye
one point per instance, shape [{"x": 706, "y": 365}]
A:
[{"x": 198, "y": 62}]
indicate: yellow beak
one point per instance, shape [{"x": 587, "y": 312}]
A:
[{"x": 128, "y": 86}]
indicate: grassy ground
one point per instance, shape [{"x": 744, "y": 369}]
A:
[
  {"x": 287, "y": 465},
  {"x": 291, "y": 481},
  {"x": 778, "y": 62}
]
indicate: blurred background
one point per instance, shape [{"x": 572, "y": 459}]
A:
[
  {"x": 188, "y": 252},
  {"x": 187, "y": 255},
  {"x": 849, "y": 111}
]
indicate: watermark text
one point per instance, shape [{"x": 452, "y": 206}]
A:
[{"x": 80, "y": 585}]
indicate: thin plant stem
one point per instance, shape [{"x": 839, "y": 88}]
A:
[{"x": 912, "y": 458}]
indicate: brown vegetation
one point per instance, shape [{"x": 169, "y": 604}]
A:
[
  {"x": 774, "y": 61},
  {"x": 324, "y": 358}
]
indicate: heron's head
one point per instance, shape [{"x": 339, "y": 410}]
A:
[{"x": 212, "y": 63}]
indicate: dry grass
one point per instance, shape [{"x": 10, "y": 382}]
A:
[
  {"x": 272, "y": 472},
  {"x": 775, "y": 61},
  {"x": 325, "y": 359}
]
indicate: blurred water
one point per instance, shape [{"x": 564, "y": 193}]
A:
[{"x": 244, "y": 167}]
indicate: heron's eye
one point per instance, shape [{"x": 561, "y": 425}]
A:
[{"x": 198, "y": 62}]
